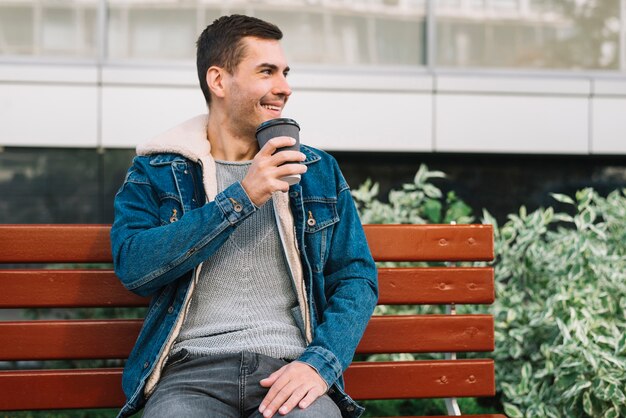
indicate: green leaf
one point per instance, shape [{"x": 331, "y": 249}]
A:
[
  {"x": 587, "y": 404},
  {"x": 611, "y": 413},
  {"x": 575, "y": 390},
  {"x": 419, "y": 176},
  {"x": 432, "y": 210},
  {"x": 512, "y": 411},
  {"x": 431, "y": 191},
  {"x": 562, "y": 198},
  {"x": 620, "y": 349}
]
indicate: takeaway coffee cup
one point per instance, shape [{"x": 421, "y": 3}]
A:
[{"x": 280, "y": 127}]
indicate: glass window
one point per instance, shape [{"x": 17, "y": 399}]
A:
[
  {"x": 65, "y": 28},
  {"x": 16, "y": 30},
  {"x": 359, "y": 32},
  {"x": 551, "y": 34},
  {"x": 153, "y": 31}
]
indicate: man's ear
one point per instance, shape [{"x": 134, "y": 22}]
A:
[{"x": 215, "y": 81}]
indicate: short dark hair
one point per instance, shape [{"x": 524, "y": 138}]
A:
[{"x": 221, "y": 44}]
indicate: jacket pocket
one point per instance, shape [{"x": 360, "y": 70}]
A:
[
  {"x": 170, "y": 209},
  {"x": 320, "y": 217}
]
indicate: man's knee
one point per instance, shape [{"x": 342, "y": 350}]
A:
[{"x": 322, "y": 407}]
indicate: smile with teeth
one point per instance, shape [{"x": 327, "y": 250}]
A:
[{"x": 270, "y": 107}]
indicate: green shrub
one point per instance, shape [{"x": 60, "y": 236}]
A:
[
  {"x": 561, "y": 308},
  {"x": 418, "y": 202}
]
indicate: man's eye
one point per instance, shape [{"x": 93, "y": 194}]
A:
[{"x": 267, "y": 71}]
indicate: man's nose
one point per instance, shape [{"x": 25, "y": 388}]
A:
[{"x": 282, "y": 87}]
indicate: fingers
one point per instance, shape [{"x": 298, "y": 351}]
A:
[
  {"x": 269, "y": 380},
  {"x": 310, "y": 398},
  {"x": 273, "y": 144},
  {"x": 297, "y": 385}
]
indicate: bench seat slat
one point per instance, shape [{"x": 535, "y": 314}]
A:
[
  {"x": 61, "y": 389},
  {"x": 64, "y": 288},
  {"x": 55, "y": 244},
  {"x": 430, "y": 242},
  {"x": 420, "y": 379},
  {"x": 113, "y": 339},
  {"x": 442, "y": 285}
]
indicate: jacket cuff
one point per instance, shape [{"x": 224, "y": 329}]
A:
[
  {"x": 235, "y": 203},
  {"x": 324, "y": 362}
]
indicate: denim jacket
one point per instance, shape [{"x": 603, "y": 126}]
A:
[{"x": 169, "y": 219}]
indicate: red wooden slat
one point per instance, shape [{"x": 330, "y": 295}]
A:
[
  {"x": 101, "y": 388},
  {"x": 61, "y": 389},
  {"x": 90, "y": 243},
  {"x": 420, "y": 379},
  {"x": 92, "y": 288},
  {"x": 445, "y": 285},
  {"x": 82, "y": 339},
  {"x": 77, "y": 339},
  {"x": 64, "y": 288},
  {"x": 428, "y": 334},
  {"x": 430, "y": 242},
  {"x": 55, "y": 244}
]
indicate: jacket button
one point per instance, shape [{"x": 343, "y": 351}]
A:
[
  {"x": 170, "y": 309},
  {"x": 350, "y": 408},
  {"x": 311, "y": 222},
  {"x": 186, "y": 172},
  {"x": 238, "y": 208},
  {"x": 293, "y": 194},
  {"x": 146, "y": 365}
]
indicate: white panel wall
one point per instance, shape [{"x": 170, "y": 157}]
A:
[
  {"x": 131, "y": 115},
  {"x": 609, "y": 117},
  {"x": 45, "y": 115},
  {"x": 512, "y": 115},
  {"x": 500, "y": 124},
  {"x": 51, "y": 106},
  {"x": 367, "y": 121}
]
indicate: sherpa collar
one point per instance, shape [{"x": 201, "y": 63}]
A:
[{"x": 187, "y": 139}]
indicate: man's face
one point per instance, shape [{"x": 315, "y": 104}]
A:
[{"x": 257, "y": 90}]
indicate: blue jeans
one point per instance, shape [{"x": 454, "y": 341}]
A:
[{"x": 225, "y": 385}]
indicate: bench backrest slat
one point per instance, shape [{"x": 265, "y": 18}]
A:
[
  {"x": 101, "y": 288},
  {"x": 435, "y": 286},
  {"x": 114, "y": 338},
  {"x": 64, "y": 288},
  {"x": 430, "y": 242},
  {"x": 420, "y": 379},
  {"x": 90, "y": 243},
  {"x": 61, "y": 389},
  {"x": 77, "y": 339},
  {"x": 55, "y": 244}
]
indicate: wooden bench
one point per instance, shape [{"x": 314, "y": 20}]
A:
[{"x": 52, "y": 286}]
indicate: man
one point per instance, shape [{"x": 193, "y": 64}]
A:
[{"x": 260, "y": 291}]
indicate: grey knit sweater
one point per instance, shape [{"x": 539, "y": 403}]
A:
[{"x": 244, "y": 297}]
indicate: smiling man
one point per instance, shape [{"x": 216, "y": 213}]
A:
[{"x": 260, "y": 291}]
